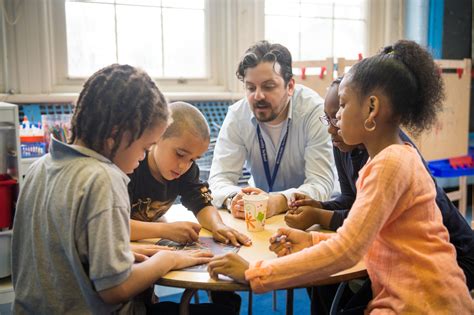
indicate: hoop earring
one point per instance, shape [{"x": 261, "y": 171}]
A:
[{"x": 372, "y": 128}]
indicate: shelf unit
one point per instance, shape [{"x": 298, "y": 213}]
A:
[{"x": 10, "y": 141}]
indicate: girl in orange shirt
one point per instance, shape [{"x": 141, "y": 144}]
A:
[{"x": 394, "y": 224}]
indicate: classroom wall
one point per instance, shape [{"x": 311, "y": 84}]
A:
[
  {"x": 416, "y": 20},
  {"x": 457, "y": 44}
]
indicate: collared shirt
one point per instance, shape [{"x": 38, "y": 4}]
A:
[
  {"x": 71, "y": 235},
  {"x": 307, "y": 164}
]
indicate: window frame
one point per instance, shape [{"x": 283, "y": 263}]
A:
[
  {"x": 214, "y": 16},
  {"x": 33, "y": 68},
  {"x": 365, "y": 7}
]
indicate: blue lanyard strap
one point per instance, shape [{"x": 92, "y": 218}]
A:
[{"x": 263, "y": 153}]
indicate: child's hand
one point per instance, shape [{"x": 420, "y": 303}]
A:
[
  {"x": 302, "y": 217},
  {"x": 237, "y": 205},
  {"x": 224, "y": 234},
  {"x": 188, "y": 258},
  {"x": 141, "y": 252},
  {"x": 231, "y": 265},
  {"x": 287, "y": 241},
  {"x": 182, "y": 232},
  {"x": 298, "y": 200}
]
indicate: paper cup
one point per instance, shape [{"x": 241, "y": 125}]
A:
[{"x": 255, "y": 208}]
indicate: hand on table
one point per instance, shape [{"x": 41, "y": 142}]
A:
[
  {"x": 187, "y": 258},
  {"x": 302, "y": 217},
  {"x": 277, "y": 203},
  {"x": 287, "y": 241},
  {"x": 225, "y": 234},
  {"x": 229, "y": 264},
  {"x": 141, "y": 252},
  {"x": 182, "y": 232},
  {"x": 299, "y": 200},
  {"x": 237, "y": 204}
]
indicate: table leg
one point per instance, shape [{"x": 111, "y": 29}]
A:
[
  {"x": 185, "y": 299},
  {"x": 289, "y": 302},
  {"x": 472, "y": 208},
  {"x": 274, "y": 300},
  {"x": 463, "y": 197},
  {"x": 250, "y": 303}
]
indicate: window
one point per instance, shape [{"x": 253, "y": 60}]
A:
[
  {"x": 167, "y": 38},
  {"x": 318, "y": 29},
  {"x": 189, "y": 46}
]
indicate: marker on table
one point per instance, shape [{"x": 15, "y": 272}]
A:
[{"x": 279, "y": 238}]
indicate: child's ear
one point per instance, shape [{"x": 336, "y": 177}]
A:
[
  {"x": 374, "y": 106},
  {"x": 291, "y": 86},
  {"x": 110, "y": 143}
]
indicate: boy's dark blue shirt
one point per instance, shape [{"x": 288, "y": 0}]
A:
[
  {"x": 151, "y": 198},
  {"x": 348, "y": 166}
]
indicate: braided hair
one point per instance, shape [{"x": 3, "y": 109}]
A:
[
  {"x": 406, "y": 73},
  {"x": 115, "y": 100}
]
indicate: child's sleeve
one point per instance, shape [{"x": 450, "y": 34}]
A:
[
  {"x": 105, "y": 235},
  {"x": 319, "y": 237},
  {"x": 345, "y": 200},
  {"x": 195, "y": 194},
  {"x": 383, "y": 186},
  {"x": 110, "y": 257}
]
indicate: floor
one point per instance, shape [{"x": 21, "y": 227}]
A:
[{"x": 262, "y": 303}]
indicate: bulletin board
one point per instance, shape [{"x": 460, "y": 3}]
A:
[
  {"x": 449, "y": 137},
  {"x": 315, "y": 74}
]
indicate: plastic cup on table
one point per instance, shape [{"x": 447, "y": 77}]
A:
[{"x": 255, "y": 209}]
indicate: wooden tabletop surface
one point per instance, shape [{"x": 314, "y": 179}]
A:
[{"x": 258, "y": 251}]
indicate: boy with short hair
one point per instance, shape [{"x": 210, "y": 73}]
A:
[{"x": 169, "y": 170}]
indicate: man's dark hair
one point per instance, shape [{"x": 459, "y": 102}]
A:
[
  {"x": 263, "y": 51},
  {"x": 115, "y": 100}
]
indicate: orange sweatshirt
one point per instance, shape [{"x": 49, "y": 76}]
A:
[{"x": 396, "y": 226}]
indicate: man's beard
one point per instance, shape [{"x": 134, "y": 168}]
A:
[{"x": 264, "y": 117}]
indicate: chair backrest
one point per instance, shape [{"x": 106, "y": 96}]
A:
[
  {"x": 315, "y": 74},
  {"x": 215, "y": 112}
]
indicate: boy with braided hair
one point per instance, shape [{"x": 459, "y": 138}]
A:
[{"x": 71, "y": 240}]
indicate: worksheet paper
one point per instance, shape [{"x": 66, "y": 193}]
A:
[{"x": 204, "y": 243}]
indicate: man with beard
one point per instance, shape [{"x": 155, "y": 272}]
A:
[{"x": 274, "y": 130}]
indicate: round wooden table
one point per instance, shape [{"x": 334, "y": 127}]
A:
[{"x": 193, "y": 281}]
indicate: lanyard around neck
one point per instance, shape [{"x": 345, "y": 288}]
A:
[{"x": 263, "y": 153}]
